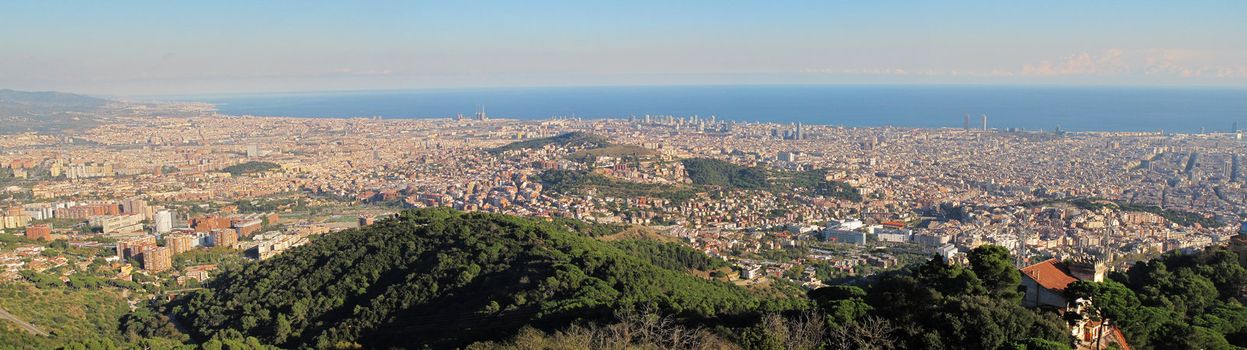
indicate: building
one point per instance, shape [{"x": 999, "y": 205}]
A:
[
  {"x": 87, "y": 211},
  {"x": 39, "y": 211},
  {"x": 180, "y": 243},
  {"x": 790, "y": 157},
  {"x": 750, "y": 272},
  {"x": 197, "y": 273},
  {"x": 272, "y": 243},
  {"x": 365, "y": 220},
  {"x": 135, "y": 206},
  {"x": 248, "y": 227},
  {"x": 39, "y": 232},
  {"x": 947, "y": 252},
  {"x": 120, "y": 224},
  {"x": 893, "y": 235},
  {"x": 132, "y": 247},
  {"x": 14, "y": 217},
  {"x": 846, "y": 237},
  {"x": 157, "y": 259},
  {"x": 1045, "y": 282},
  {"x": 164, "y": 221},
  {"x": 223, "y": 238},
  {"x": 931, "y": 240},
  {"x": 846, "y": 225},
  {"x": 210, "y": 223}
]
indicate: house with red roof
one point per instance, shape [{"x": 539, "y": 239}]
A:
[{"x": 1045, "y": 282}]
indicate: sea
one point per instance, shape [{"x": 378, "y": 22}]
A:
[{"x": 1034, "y": 108}]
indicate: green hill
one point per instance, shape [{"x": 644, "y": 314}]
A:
[
  {"x": 718, "y": 173},
  {"x": 572, "y": 139},
  {"x": 714, "y": 172},
  {"x": 580, "y": 182},
  {"x": 442, "y": 278},
  {"x": 250, "y": 167}
]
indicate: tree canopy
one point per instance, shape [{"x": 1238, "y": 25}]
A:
[{"x": 440, "y": 278}]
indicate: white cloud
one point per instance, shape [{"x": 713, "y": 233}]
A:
[{"x": 1172, "y": 63}]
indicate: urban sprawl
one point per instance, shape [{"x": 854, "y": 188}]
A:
[{"x": 162, "y": 190}]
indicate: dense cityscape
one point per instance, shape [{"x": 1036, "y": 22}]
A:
[
  {"x": 168, "y": 192},
  {"x": 220, "y": 180}
]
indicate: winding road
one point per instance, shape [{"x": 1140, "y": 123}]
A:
[{"x": 20, "y": 323}]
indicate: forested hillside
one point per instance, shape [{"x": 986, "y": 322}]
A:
[
  {"x": 442, "y": 278},
  {"x": 714, "y": 172},
  {"x": 722, "y": 174},
  {"x": 932, "y": 305},
  {"x": 250, "y": 167}
]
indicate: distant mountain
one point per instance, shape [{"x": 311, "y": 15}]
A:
[
  {"x": 441, "y": 278},
  {"x": 12, "y": 101},
  {"x": 22, "y": 111}
]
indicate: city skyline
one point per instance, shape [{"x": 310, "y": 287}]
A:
[{"x": 152, "y": 48}]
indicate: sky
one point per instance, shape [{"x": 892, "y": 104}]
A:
[{"x": 143, "y": 48}]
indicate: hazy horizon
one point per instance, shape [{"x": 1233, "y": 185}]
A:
[{"x": 144, "y": 48}]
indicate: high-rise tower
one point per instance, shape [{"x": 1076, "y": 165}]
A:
[{"x": 480, "y": 115}]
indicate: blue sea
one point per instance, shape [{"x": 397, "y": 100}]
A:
[{"x": 1186, "y": 109}]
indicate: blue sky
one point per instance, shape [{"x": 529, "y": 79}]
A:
[{"x": 183, "y": 47}]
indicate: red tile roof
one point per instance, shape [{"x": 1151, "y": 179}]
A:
[{"x": 1049, "y": 274}]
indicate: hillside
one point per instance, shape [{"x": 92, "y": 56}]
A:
[
  {"x": 64, "y": 313},
  {"x": 250, "y": 167},
  {"x": 714, "y": 172},
  {"x": 582, "y": 182},
  {"x": 442, "y": 278},
  {"x": 718, "y": 173},
  {"x": 13, "y": 102},
  {"x": 572, "y": 139},
  {"x": 46, "y": 111}
]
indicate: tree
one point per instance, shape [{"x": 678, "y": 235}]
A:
[
  {"x": 283, "y": 328},
  {"x": 1182, "y": 337},
  {"x": 842, "y": 304},
  {"x": 992, "y": 265},
  {"x": 948, "y": 279},
  {"x": 1038, "y": 344},
  {"x": 1109, "y": 302}
]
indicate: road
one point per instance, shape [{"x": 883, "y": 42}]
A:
[{"x": 20, "y": 323}]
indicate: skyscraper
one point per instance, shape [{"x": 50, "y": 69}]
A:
[
  {"x": 984, "y": 122},
  {"x": 480, "y": 115}
]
